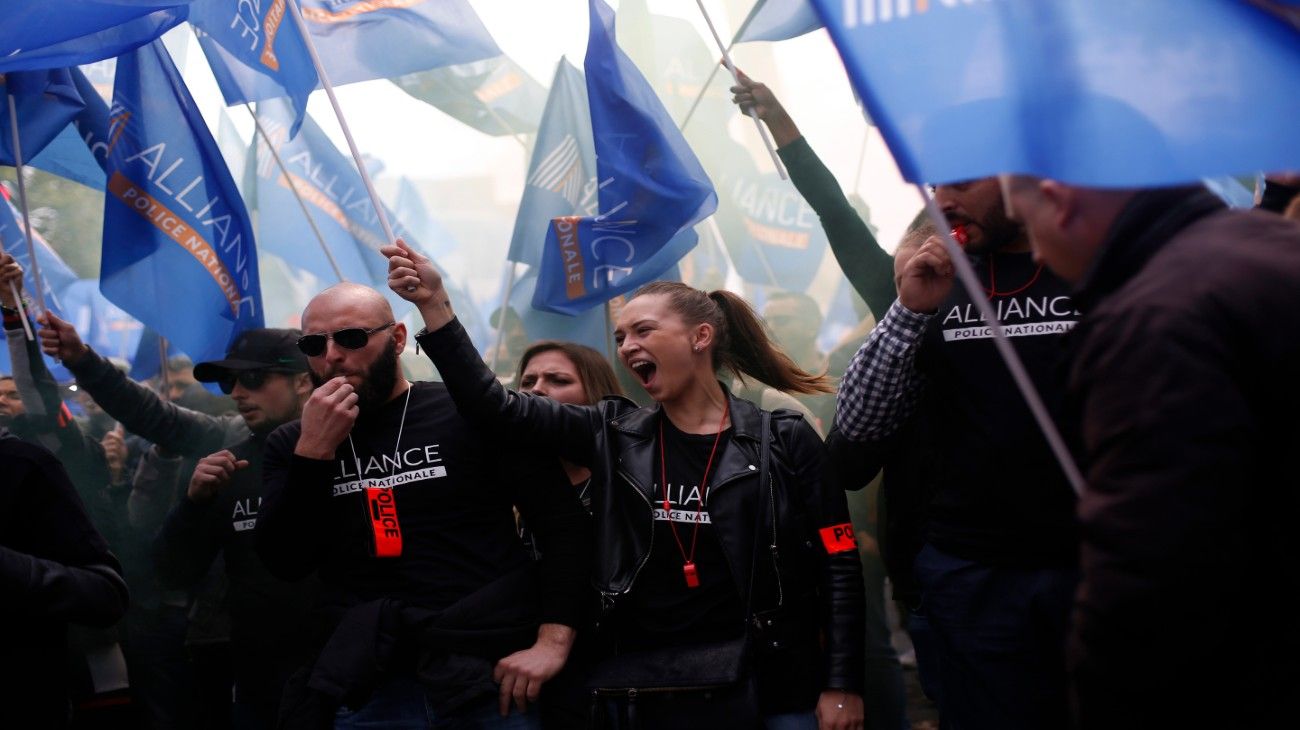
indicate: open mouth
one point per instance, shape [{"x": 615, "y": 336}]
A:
[{"x": 644, "y": 370}]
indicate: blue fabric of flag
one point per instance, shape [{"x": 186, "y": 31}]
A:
[
  {"x": 40, "y": 34},
  {"x": 46, "y": 101},
  {"x": 778, "y": 20},
  {"x": 256, "y": 52},
  {"x": 773, "y": 236},
  {"x": 70, "y": 153},
  {"x": 102, "y": 324},
  {"x": 409, "y": 208},
  {"x": 360, "y": 40},
  {"x": 178, "y": 250},
  {"x": 1092, "y": 92},
  {"x": 562, "y": 172},
  {"x": 586, "y": 328},
  {"x": 55, "y": 274},
  {"x": 651, "y": 189},
  {"x": 495, "y": 96}
]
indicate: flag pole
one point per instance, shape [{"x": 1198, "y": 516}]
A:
[
  {"x": 338, "y": 113},
  {"x": 862, "y": 158},
  {"x": 979, "y": 296},
  {"x": 753, "y": 113},
  {"x": 293, "y": 187},
  {"x": 609, "y": 333},
  {"x": 18, "y": 302},
  {"x": 164, "y": 375},
  {"x": 512, "y": 267},
  {"x": 758, "y": 248},
  {"x": 22, "y": 201},
  {"x": 705, "y": 87}
]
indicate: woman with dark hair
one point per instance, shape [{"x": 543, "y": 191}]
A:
[
  {"x": 725, "y": 559},
  {"x": 569, "y": 373}
]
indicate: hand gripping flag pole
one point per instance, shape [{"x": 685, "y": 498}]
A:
[
  {"x": 27, "y": 225},
  {"x": 705, "y": 86},
  {"x": 979, "y": 296},
  {"x": 343, "y": 123},
  {"x": 753, "y": 113},
  {"x": 293, "y": 187}
]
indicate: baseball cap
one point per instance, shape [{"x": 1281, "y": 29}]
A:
[{"x": 257, "y": 349}]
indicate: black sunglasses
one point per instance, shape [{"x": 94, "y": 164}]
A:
[
  {"x": 353, "y": 338},
  {"x": 250, "y": 379}
]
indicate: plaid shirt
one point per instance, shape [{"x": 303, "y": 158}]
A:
[{"x": 882, "y": 385}]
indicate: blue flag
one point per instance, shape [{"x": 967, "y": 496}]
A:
[
  {"x": 409, "y": 209},
  {"x": 55, "y": 274},
  {"x": 651, "y": 188},
  {"x": 178, "y": 248},
  {"x": 80, "y": 151},
  {"x": 773, "y": 236},
  {"x": 40, "y": 34},
  {"x": 46, "y": 101},
  {"x": 562, "y": 173},
  {"x": 1092, "y": 92},
  {"x": 585, "y": 328},
  {"x": 256, "y": 52},
  {"x": 495, "y": 96},
  {"x": 778, "y": 20},
  {"x": 102, "y": 324},
  {"x": 359, "y": 40}
]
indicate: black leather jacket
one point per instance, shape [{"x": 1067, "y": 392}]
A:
[{"x": 810, "y": 569}]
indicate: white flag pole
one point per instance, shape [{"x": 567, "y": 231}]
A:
[
  {"x": 753, "y": 114},
  {"x": 338, "y": 113},
  {"x": 293, "y": 187},
  {"x": 979, "y": 296},
  {"x": 18, "y": 302},
  {"x": 27, "y": 220}
]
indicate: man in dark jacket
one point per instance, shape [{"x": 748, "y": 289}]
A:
[
  {"x": 55, "y": 569},
  {"x": 1183, "y": 391}
]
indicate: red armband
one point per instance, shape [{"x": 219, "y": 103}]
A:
[{"x": 839, "y": 538}]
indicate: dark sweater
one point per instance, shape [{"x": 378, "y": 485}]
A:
[{"x": 454, "y": 490}]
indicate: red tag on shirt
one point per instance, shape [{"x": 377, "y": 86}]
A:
[
  {"x": 839, "y": 538},
  {"x": 384, "y": 527}
]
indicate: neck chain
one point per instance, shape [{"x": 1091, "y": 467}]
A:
[
  {"x": 397, "y": 447},
  {"x": 688, "y": 567}
]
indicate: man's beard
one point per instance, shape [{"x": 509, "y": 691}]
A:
[
  {"x": 377, "y": 382},
  {"x": 999, "y": 231}
]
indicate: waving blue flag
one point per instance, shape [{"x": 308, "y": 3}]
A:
[
  {"x": 1093, "y": 92},
  {"x": 178, "y": 249},
  {"x": 562, "y": 174},
  {"x": 360, "y": 40},
  {"x": 46, "y": 101},
  {"x": 773, "y": 235},
  {"x": 778, "y": 20},
  {"x": 256, "y": 52},
  {"x": 80, "y": 151},
  {"x": 55, "y": 274},
  {"x": 40, "y": 34},
  {"x": 495, "y": 96},
  {"x": 651, "y": 188},
  {"x": 409, "y": 209}
]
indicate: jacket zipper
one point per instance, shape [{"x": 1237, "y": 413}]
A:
[
  {"x": 637, "y": 488},
  {"x": 776, "y": 556}
]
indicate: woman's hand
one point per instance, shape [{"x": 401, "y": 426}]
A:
[
  {"x": 839, "y": 710},
  {"x": 414, "y": 278}
]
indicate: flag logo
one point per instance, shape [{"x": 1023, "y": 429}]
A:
[
  {"x": 871, "y": 12},
  {"x": 561, "y": 171}
]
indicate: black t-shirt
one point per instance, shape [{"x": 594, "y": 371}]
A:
[
  {"x": 661, "y": 609},
  {"x": 454, "y": 488},
  {"x": 1000, "y": 497}
]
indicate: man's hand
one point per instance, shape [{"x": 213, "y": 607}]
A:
[
  {"x": 839, "y": 710},
  {"x": 415, "y": 279},
  {"x": 750, "y": 94},
  {"x": 327, "y": 419},
  {"x": 522, "y": 674},
  {"x": 927, "y": 278},
  {"x": 114, "y": 453},
  {"x": 211, "y": 474},
  {"x": 60, "y": 339},
  {"x": 11, "y": 272}
]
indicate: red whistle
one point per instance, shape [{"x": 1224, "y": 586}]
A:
[
  {"x": 692, "y": 576},
  {"x": 959, "y": 235}
]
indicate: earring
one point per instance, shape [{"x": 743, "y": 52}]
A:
[{"x": 696, "y": 348}]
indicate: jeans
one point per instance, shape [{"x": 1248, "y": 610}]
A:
[
  {"x": 999, "y": 634},
  {"x": 400, "y": 704}
]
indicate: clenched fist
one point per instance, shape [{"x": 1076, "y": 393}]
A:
[
  {"x": 211, "y": 474},
  {"x": 60, "y": 339},
  {"x": 327, "y": 419},
  {"x": 414, "y": 278}
]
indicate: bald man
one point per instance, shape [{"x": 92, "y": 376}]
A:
[{"x": 431, "y": 609}]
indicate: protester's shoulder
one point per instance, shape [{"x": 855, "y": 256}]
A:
[
  {"x": 19, "y": 457},
  {"x": 284, "y": 438}
]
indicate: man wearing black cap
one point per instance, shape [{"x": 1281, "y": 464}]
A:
[{"x": 266, "y": 375}]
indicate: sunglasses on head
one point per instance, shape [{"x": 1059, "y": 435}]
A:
[
  {"x": 353, "y": 338},
  {"x": 250, "y": 379}
]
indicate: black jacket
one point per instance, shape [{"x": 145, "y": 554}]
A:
[
  {"x": 1184, "y": 387},
  {"x": 615, "y": 439}
]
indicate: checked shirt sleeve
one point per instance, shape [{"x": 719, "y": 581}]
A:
[{"x": 881, "y": 386}]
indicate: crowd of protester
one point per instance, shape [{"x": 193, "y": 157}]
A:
[{"x": 704, "y": 535}]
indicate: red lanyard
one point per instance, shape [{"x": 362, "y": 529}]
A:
[
  {"x": 993, "y": 292},
  {"x": 688, "y": 567}
]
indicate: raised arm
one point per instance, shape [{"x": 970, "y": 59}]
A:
[
  {"x": 568, "y": 430},
  {"x": 140, "y": 410},
  {"x": 867, "y": 266}
]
